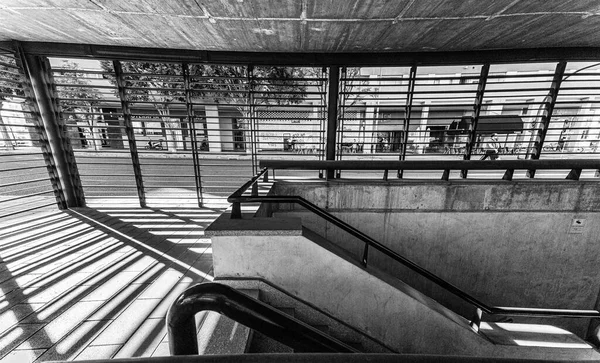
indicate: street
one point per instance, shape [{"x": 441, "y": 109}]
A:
[{"x": 169, "y": 176}]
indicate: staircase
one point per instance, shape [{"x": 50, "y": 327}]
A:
[
  {"x": 221, "y": 335},
  {"x": 382, "y": 308}
]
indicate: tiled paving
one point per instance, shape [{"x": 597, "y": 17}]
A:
[{"x": 95, "y": 283}]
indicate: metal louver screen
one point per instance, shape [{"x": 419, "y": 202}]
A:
[
  {"x": 289, "y": 113},
  {"x": 90, "y": 111},
  {"x": 162, "y": 133},
  {"x": 574, "y": 129},
  {"x": 522, "y": 111},
  {"x": 26, "y": 171}
]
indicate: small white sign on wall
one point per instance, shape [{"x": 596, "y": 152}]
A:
[{"x": 577, "y": 225}]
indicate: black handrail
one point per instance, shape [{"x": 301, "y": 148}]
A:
[
  {"x": 246, "y": 310},
  {"x": 432, "y": 164},
  {"x": 509, "y": 166},
  {"x": 238, "y": 198}
]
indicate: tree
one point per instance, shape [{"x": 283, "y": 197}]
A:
[
  {"x": 10, "y": 85},
  {"x": 210, "y": 85},
  {"x": 243, "y": 87},
  {"x": 79, "y": 100},
  {"x": 354, "y": 90}
]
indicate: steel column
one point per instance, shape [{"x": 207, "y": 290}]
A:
[
  {"x": 549, "y": 102},
  {"x": 332, "y": 115},
  {"x": 322, "y": 116},
  {"x": 407, "y": 111},
  {"x": 135, "y": 161},
  {"x": 253, "y": 138},
  {"x": 485, "y": 70},
  {"x": 192, "y": 130},
  {"x": 341, "y": 116},
  {"x": 37, "y": 72}
]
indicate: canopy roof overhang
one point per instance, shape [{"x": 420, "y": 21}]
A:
[
  {"x": 500, "y": 125},
  {"x": 310, "y": 28},
  {"x": 488, "y": 124}
]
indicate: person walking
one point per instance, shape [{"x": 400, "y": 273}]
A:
[{"x": 491, "y": 147}]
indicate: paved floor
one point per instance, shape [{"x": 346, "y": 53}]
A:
[{"x": 96, "y": 282}]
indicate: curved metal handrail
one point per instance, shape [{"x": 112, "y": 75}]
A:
[
  {"x": 244, "y": 309},
  {"x": 238, "y": 198}
]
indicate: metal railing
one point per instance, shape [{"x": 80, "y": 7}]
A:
[
  {"x": 576, "y": 166},
  {"x": 248, "y": 311},
  {"x": 509, "y": 166}
]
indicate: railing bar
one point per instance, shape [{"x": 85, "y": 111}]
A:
[{"x": 432, "y": 164}]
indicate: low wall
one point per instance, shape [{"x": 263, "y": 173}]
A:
[
  {"x": 506, "y": 243},
  {"x": 314, "y": 270}
]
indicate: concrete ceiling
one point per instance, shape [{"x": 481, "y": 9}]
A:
[{"x": 306, "y": 25}]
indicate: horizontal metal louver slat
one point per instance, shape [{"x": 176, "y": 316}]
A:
[{"x": 25, "y": 184}]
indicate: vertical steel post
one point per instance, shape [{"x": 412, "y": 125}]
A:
[
  {"x": 407, "y": 110},
  {"x": 341, "y": 117},
  {"x": 476, "y": 320},
  {"x": 37, "y": 72},
  {"x": 549, "y": 102},
  {"x": 135, "y": 161},
  {"x": 31, "y": 105},
  {"x": 192, "y": 130},
  {"x": 332, "y": 115},
  {"x": 253, "y": 146},
  {"x": 485, "y": 70},
  {"x": 322, "y": 116}
]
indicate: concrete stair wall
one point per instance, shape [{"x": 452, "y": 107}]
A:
[
  {"x": 324, "y": 276},
  {"x": 304, "y": 312}
]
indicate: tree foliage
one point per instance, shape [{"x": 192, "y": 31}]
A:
[
  {"x": 75, "y": 90},
  {"x": 162, "y": 84},
  {"x": 79, "y": 100},
  {"x": 11, "y": 84}
]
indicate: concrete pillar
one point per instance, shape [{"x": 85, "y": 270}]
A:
[
  {"x": 423, "y": 136},
  {"x": 493, "y": 108},
  {"x": 213, "y": 128},
  {"x": 370, "y": 123},
  {"x": 530, "y": 121}
]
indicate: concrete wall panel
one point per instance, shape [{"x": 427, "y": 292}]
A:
[{"x": 508, "y": 244}]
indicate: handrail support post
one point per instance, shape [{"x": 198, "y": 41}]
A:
[
  {"x": 476, "y": 320},
  {"x": 236, "y": 210},
  {"x": 574, "y": 174},
  {"x": 365, "y": 256},
  {"x": 508, "y": 175}
]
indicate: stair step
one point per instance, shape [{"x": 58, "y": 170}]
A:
[
  {"x": 356, "y": 345},
  {"x": 532, "y": 335},
  {"x": 323, "y": 328},
  {"x": 253, "y": 293},
  {"x": 260, "y": 343},
  {"x": 217, "y": 334},
  {"x": 288, "y": 311}
]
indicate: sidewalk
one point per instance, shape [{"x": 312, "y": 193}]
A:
[{"x": 97, "y": 283}]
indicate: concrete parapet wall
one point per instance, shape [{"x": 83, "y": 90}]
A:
[
  {"x": 506, "y": 243},
  {"x": 316, "y": 271},
  {"x": 323, "y": 279},
  {"x": 467, "y": 196}
]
